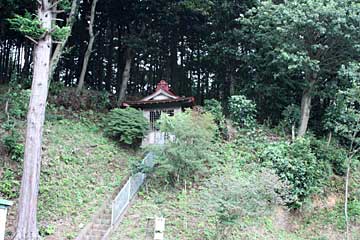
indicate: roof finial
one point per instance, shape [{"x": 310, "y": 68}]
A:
[{"x": 163, "y": 85}]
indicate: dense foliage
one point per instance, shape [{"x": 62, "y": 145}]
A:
[
  {"x": 214, "y": 107},
  {"x": 236, "y": 195},
  {"x": 343, "y": 117},
  {"x": 127, "y": 125},
  {"x": 210, "y": 49},
  {"x": 188, "y": 152},
  {"x": 242, "y": 111},
  {"x": 297, "y": 165},
  {"x": 296, "y": 53}
]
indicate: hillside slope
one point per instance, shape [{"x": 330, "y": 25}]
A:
[
  {"x": 193, "y": 209},
  {"x": 80, "y": 169}
]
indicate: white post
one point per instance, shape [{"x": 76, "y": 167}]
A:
[
  {"x": 159, "y": 228},
  {"x": 4, "y": 205}
]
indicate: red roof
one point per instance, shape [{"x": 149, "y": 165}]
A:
[{"x": 162, "y": 88}]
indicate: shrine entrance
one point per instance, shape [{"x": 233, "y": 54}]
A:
[{"x": 162, "y": 101}]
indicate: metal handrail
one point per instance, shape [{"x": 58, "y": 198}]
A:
[{"x": 125, "y": 192}]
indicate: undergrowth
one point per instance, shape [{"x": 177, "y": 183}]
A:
[{"x": 80, "y": 168}]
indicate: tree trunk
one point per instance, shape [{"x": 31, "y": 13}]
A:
[
  {"x": 89, "y": 48},
  {"x": 27, "y": 61},
  {"x": 329, "y": 138},
  {"x": 60, "y": 46},
  {"x": 27, "y": 224},
  {"x": 120, "y": 63},
  {"x": 109, "y": 66},
  {"x": 232, "y": 85},
  {"x": 173, "y": 64},
  {"x": 125, "y": 76},
  {"x": 6, "y": 63},
  {"x": 305, "y": 109}
]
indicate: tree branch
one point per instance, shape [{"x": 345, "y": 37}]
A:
[
  {"x": 57, "y": 19},
  {"x": 58, "y": 11},
  {"x": 31, "y": 39},
  {"x": 54, "y": 4}
]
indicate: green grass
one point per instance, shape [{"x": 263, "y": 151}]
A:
[
  {"x": 184, "y": 221},
  {"x": 80, "y": 169}
]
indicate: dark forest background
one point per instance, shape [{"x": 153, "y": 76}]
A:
[{"x": 202, "y": 48}]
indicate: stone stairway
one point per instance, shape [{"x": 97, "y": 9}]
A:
[{"x": 100, "y": 226}]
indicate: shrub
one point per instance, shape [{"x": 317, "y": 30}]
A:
[
  {"x": 47, "y": 230},
  {"x": 242, "y": 111},
  {"x": 56, "y": 88},
  {"x": 68, "y": 98},
  {"x": 18, "y": 100},
  {"x": 332, "y": 154},
  {"x": 101, "y": 100},
  {"x": 290, "y": 116},
  {"x": 296, "y": 164},
  {"x": 9, "y": 186},
  {"x": 185, "y": 157},
  {"x": 12, "y": 142},
  {"x": 127, "y": 125},
  {"x": 214, "y": 107},
  {"x": 354, "y": 209},
  {"x": 234, "y": 195}
]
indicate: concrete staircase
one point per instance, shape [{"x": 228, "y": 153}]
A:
[{"x": 100, "y": 226}]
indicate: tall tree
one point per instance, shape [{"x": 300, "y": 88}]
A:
[
  {"x": 126, "y": 74},
  {"x": 39, "y": 30},
  {"x": 27, "y": 222},
  {"x": 89, "y": 47},
  {"x": 306, "y": 40}
]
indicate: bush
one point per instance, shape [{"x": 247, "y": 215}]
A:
[
  {"x": 185, "y": 157},
  {"x": 126, "y": 125},
  {"x": 18, "y": 100},
  {"x": 46, "y": 230},
  {"x": 290, "y": 117},
  {"x": 296, "y": 164},
  {"x": 12, "y": 142},
  {"x": 242, "y": 111},
  {"x": 214, "y": 107},
  {"x": 9, "y": 186},
  {"x": 68, "y": 98},
  {"x": 334, "y": 155},
  {"x": 234, "y": 195},
  {"x": 56, "y": 88}
]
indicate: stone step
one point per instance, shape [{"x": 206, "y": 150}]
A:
[
  {"x": 104, "y": 216},
  {"x": 102, "y": 227},
  {"x": 96, "y": 233},
  {"x": 107, "y": 211},
  {"x": 92, "y": 237},
  {"x": 103, "y": 220}
]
